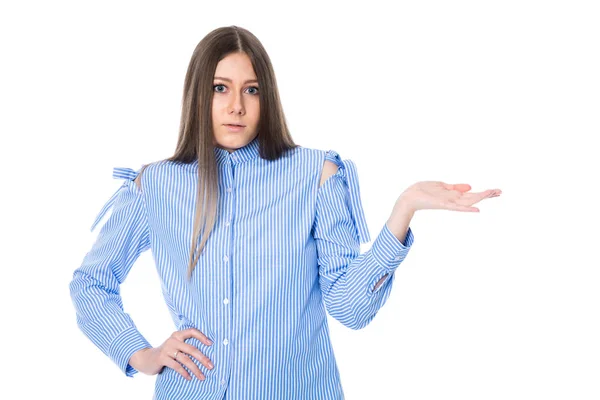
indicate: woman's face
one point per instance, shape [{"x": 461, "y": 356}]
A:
[{"x": 235, "y": 101}]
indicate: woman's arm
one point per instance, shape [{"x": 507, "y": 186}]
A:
[
  {"x": 398, "y": 224},
  {"x": 354, "y": 285},
  {"x": 95, "y": 287}
]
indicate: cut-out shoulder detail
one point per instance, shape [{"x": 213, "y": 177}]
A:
[
  {"x": 130, "y": 176},
  {"x": 329, "y": 168},
  {"x": 346, "y": 169},
  {"x": 138, "y": 179}
]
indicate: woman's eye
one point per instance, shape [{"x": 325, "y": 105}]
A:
[{"x": 250, "y": 88}]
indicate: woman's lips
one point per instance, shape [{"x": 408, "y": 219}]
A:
[{"x": 235, "y": 128}]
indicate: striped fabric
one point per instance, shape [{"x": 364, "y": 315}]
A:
[{"x": 283, "y": 252}]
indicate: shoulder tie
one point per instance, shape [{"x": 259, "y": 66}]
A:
[
  {"x": 118, "y": 173},
  {"x": 347, "y": 169}
]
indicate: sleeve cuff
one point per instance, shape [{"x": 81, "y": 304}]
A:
[
  {"x": 388, "y": 251},
  {"x": 124, "y": 346}
]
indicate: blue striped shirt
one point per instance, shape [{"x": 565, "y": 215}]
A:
[{"x": 284, "y": 251}]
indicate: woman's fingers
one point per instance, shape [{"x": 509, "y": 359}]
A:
[
  {"x": 175, "y": 365},
  {"x": 201, "y": 336},
  {"x": 189, "y": 349},
  {"x": 458, "y": 207},
  {"x": 185, "y": 351},
  {"x": 193, "y": 351},
  {"x": 472, "y": 199},
  {"x": 193, "y": 332},
  {"x": 468, "y": 199},
  {"x": 184, "y": 359}
]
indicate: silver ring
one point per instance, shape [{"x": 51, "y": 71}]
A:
[{"x": 175, "y": 357}]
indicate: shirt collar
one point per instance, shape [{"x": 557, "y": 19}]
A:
[{"x": 238, "y": 156}]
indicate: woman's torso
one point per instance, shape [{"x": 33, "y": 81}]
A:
[{"x": 255, "y": 290}]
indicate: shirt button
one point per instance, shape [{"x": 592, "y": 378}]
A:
[
  {"x": 222, "y": 381},
  {"x": 225, "y": 258},
  {"x": 226, "y": 301},
  {"x": 227, "y": 223},
  {"x": 397, "y": 258},
  {"x": 225, "y": 342},
  {"x": 229, "y": 189}
]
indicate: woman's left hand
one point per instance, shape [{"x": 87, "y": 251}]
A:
[{"x": 440, "y": 195}]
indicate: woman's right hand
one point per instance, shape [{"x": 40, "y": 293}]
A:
[{"x": 152, "y": 360}]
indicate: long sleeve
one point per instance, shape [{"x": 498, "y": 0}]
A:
[
  {"x": 95, "y": 288},
  {"x": 347, "y": 278}
]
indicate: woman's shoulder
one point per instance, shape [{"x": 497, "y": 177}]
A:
[
  {"x": 321, "y": 156},
  {"x": 161, "y": 170},
  {"x": 310, "y": 152}
]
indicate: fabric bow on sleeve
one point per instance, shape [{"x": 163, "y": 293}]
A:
[
  {"x": 347, "y": 169},
  {"x": 118, "y": 173}
]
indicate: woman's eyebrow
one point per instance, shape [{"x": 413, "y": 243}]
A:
[{"x": 229, "y": 80}]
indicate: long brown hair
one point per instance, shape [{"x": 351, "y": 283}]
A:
[{"x": 195, "y": 140}]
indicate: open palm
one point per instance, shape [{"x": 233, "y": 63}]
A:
[{"x": 440, "y": 195}]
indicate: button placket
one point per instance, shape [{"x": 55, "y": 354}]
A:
[{"x": 230, "y": 201}]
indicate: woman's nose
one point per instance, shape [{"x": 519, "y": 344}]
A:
[{"x": 236, "y": 104}]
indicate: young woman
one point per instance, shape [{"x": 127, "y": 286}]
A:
[{"x": 254, "y": 238}]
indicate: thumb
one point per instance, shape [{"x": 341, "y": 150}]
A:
[{"x": 461, "y": 187}]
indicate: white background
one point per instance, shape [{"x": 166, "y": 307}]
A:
[{"x": 501, "y": 304}]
